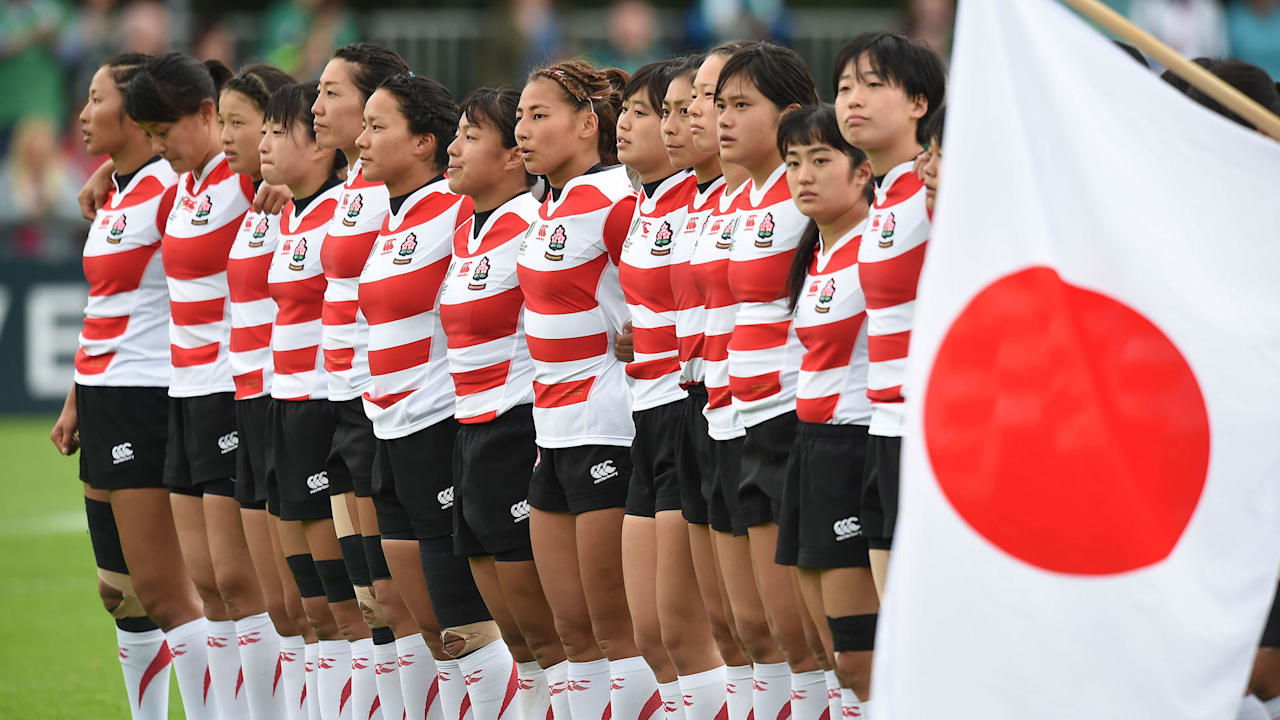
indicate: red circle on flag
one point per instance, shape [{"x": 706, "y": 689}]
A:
[{"x": 1065, "y": 427}]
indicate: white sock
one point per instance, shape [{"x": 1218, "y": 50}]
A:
[
  {"x": 589, "y": 692},
  {"x": 364, "y": 685},
  {"x": 1273, "y": 707},
  {"x": 633, "y": 692},
  {"x": 334, "y": 680},
  {"x": 311, "y": 690},
  {"x": 386, "y": 672},
  {"x": 453, "y": 689},
  {"x": 291, "y": 676},
  {"x": 809, "y": 696},
  {"x": 850, "y": 708},
  {"x": 189, "y": 644},
  {"x": 259, "y": 658},
  {"x": 224, "y": 669},
  {"x": 532, "y": 694},
  {"x": 145, "y": 660},
  {"x": 704, "y": 694},
  {"x": 833, "y": 694},
  {"x": 672, "y": 699},
  {"x": 558, "y": 691},
  {"x": 770, "y": 690},
  {"x": 419, "y": 681},
  {"x": 737, "y": 686},
  {"x": 1251, "y": 708},
  {"x": 491, "y": 679},
  {"x": 865, "y": 707}
]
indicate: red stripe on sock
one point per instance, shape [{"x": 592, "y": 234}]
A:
[
  {"x": 208, "y": 680},
  {"x": 785, "y": 712},
  {"x": 346, "y": 695},
  {"x": 513, "y": 685},
  {"x": 377, "y": 703},
  {"x": 239, "y": 681},
  {"x": 275, "y": 683},
  {"x": 159, "y": 662},
  {"x": 466, "y": 705},
  {"x": 432, "y": 692},
  {"x": 303, "y": 701},
  {"x": 608, "y": 711},
  {"x": 653, "y": 705},
  {"x": 724, "y": 712}
]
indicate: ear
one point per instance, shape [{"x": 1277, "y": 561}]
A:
[
  {"x": 208, "y": 110},
  {"x": 789, "y": 108},
  {"x": 424, "y": 146},
  {"x": 512, "y": 160},
  {"x": 589, "y": 125},
  {"x": 919, "y": 106},
  {"x": 862, "y": 174}
]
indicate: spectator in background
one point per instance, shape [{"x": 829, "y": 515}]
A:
[
  {"x": 1194, "y": 28},
  {"x": 930, "y": 22},
  {"x": 39, "y": 189},
  {"x": 711, "y": 22},
  {"x": 633, "y": 35},
  {"x": 1253, "y": 29},
  {"x": 214, "y": 41},
  {"x": 31, "y": 77},
  {"x": 144, "y": 27},
  {"x": 299, "y": 36}
]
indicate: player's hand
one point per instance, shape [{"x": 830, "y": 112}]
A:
[
  {"x": 271, "y": 198},
  {"x": 624, "y": 344},
  {"x": 919, "y": 164},
  {"x": 66, "y": 431},
  {"x": 94, "y": 193}
]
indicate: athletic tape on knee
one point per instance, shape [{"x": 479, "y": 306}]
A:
[
  {"x": 303, "y": 568},
  {"x": 853, "y": 633},
  {"x": 453, "y": 591},
  {"x": 336, "y": 581},
  {"x": 383, "y": 635},
  {"x": 353, "y": 555},
  {"x": 104, "y": 537},
  {"x": 136, "y": 624},
  {"x": 370, "y": 607},
  {"x": 373, "y": 555},
  {"x": 464, "y": 639},
  {"x": 130, "y": 606}
]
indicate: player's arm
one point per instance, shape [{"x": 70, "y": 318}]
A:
[
  {"x": 66, "y": 431},
  {"x": 94, "y": 192}
]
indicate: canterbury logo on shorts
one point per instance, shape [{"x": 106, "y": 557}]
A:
[
  {"x": 122, "y": 453},
  {"x": 445, "y": 497},
  {"x": 603, "y": 471},
  {"x": 318, "y": 482},
  {"x": 847, "y": 528},
  {"x": 229, "y": 442},
  {"x": 520, "y": 511}
]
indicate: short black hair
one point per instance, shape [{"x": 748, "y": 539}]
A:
[
  {"x": 291, "y": 104},
  {"x": 258, "y": 82},
  {"x": 429, "y": 108},
  {"x": 1133, "y": 52},
  {"x": 374, "y": 64},
  {"x": 171, "y": 86},
  {"x": 493, "y": 107},
  {"x": 937, "y": 123},
  {"x": 1177, "y": 82},
  {"x": 1251, "y": 80},
  {"x": 898, "y": 60},
  {"x": 651, "y": 79},
  {"x": 777, "y": 72},
  {"x": 123, "y": 67}
]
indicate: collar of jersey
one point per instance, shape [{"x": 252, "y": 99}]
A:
[
  {"x": 882, "y": 189},
  {"x": 758, "y": 193},
  {"x": 648, "y": 202},
  {"x": 439, "y": 184},
  {"x": 206, "y": 172}
]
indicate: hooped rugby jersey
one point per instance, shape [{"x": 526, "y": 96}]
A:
[
  {"x": 568, "y": 267},
  {"x": 831, "y": 324},
  {"x": 356, "y": 222},
  {"x": 764, "y": 352},
  {"x": 399, "y": 295},
  {"x": 710, "y": 266},
  {"x": 198, "y": 236},
  {"x": 482, "y": 308},
  {"x": 252, "y": 309},
  {"x": 125, "y": 337},
  {"x": 691, "y": 311},
  {"x": 297, "y": 283},
  {"x": 645, "y": 273},
  {"x": 889, "y": 261}
]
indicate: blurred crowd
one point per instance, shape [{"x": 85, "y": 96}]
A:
[{"x": 50, "y": 48}]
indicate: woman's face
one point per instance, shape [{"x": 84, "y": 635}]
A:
[
  {"x": 702, "y": 110},
  {"x": 186, "y": 142},
  {"x": 748, "y": 124},
  {"x": 640, "y": 144},
  {"x": 824, "y": 183},
  {"x": 240, "y": 120},
  {"x": 676, "y": 137},
  {"x": 104, "y": 127},
  {"x": 930, "y": 171},
  {"x": 339, "y": 107},
  {"x": 874, "y": 114},
  {"x": 288, "y": 153},
  {"x": 477, "y": 159},
  {"x": 549, "y": 129},
  {"x": 386, "y": 143}
]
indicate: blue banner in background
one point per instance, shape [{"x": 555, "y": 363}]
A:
[{"x": 41, "y": 308}]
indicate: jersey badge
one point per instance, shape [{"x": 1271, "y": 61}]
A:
[
  {"x": 726, "y": 237},
  {"x": 555, "y": 245},
  {"x": 481, "y": 274},
  {"x": 824, "y": 300},
  {"x": 202, "y": 211},
  {"x": 886, "y": 235},
  {"x": 259, "y": 232},
  {"x": 353, "y": 210},
  {"x": 662, "y": 240},
  {"x": 764, "y": 237},
  {"x": 116, "y": 231},
  {"x": 406, "y": 249},
  {"x": 299, "y": 255}
]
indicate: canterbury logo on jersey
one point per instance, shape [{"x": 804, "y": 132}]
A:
[
  {"x": 122, "y": 453},
  {"x": 520, "y": 511},
  {"x": 229, "y": 442},
  {"x": 445, "y": 497},
  {"x": 603, "y": 471},
  {"x": 318, "y": 482},
  {"x": 847, "y": 528}
]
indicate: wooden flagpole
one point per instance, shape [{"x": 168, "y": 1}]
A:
[{"x": 1199, "y": 78}]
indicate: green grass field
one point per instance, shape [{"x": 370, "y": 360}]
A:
[{"x": 57, "y": 647}]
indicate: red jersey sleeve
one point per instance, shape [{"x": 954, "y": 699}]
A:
[{"x": 616, "y": 226}]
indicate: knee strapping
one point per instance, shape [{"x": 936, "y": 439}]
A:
[
  {"x": 465, "y": 639},
  {"x": 853, "y": 633},
  {"x": 336, "y": 581},
  {"x": 377, "y": 561},
  {"x": 104, "y": 537},
  {"x": 370, "y": 607},
  {"x": 353, "y": 555},
  {"x": 304, "y": 572},
  {"x": 453, "y": 591},
  {"x": 129, "y": 606}
]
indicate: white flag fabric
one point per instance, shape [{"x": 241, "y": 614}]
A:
[{"x": 1090, "y": 523}]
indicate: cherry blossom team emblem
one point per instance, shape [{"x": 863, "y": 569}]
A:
[
  {"x": 726, "y": 237},
  {"x": 662, "y": 240},
  {"x": 116, "y": 231},
  {"x": 406, "y": 249},
  {"x": 764, "y": 237},
  {"x": 299, "y": 255},
  {"x": 259, "y": 232},
  {"x": 202, "y": 211},
  {"x": 481, "y": 274},
  {"x": 555, "y": 245},
  {"x": 353, "y": 210},
  {"x": 886, "y": 235},
  {"x": 824, "y": 300}
]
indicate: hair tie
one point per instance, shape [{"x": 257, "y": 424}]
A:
[{"x": 411, "y": 73}]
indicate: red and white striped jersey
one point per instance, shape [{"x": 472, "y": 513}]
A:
[
  {"x": 830, "y": 321},
  {"x": 764, "y": 352},
  {"x": 252, "y": 309},
  {"x": 125, "y": 337},
  {"x": 202, "y": 226},
  {"x": 298, "y": 284},
  {"x": 352, "y": 233},
  {"x": 645, "y": 273},
  {"x": 482, "y": 308},
  {"x": 889, "y": 261},
  {"x": 691, "y": 311},
  {"x": 710, "y": 265},
  {"x": 399, "y": 294},
  {"x": 568, "y": 268}
]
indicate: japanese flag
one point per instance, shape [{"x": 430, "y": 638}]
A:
[{"x": 1090, "y": 521}]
